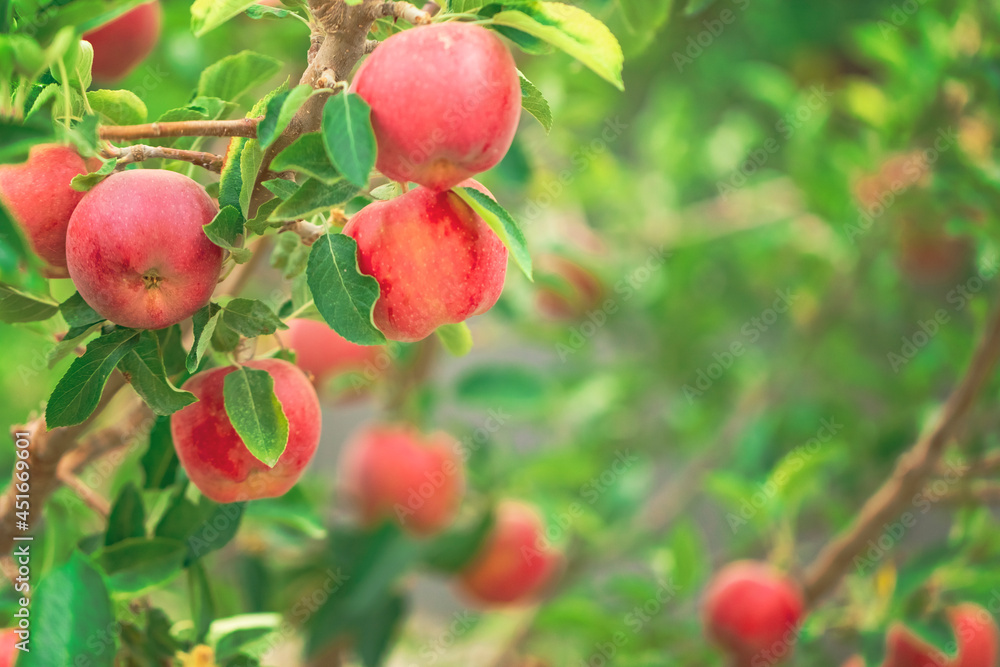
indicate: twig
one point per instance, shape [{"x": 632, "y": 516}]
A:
[
  {"x": 307, "y": 231},
  {"x": 141, "y": 152},
  {"x": 403, "y": 10},
  {"x": 89, "y": 496},
  {"x": 242, "y": 127},
  {"x": 909, "y": 476}
]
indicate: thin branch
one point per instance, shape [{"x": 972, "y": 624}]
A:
[
  {"x": 88, "y": 495},
  {"x": 307, "y": 231},
  {"x": 241, "y": 127},
  {"x": 141, "y": 152},
  {"x": 403, "y": 10},
  {"x": 912, "y": 471}
]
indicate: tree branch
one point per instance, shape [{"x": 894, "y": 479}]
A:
[
  {"x": 909, "y": 476},
  {"x": 141, "y": 152},
  {"x": 241, "y": 127}
]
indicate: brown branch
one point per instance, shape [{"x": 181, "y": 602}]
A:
[
  {"x": 403, "y": 10},
  {"x": 307, "y": 231},
  {"x": 86, "y": 493},
  {"x": 241, "y": 127},
  {"x": 141, "y": 152},
  {"x": 909, "y": 476}
]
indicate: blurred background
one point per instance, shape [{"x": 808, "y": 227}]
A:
[{"x": 760, "y": 270}]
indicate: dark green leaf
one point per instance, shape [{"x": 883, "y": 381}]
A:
[
  {"x": 376, "y": 632},
  {"x": 281, "y": 188},
  {"x": 281, "y": 109},
  {"x": 251, "y": 318},
  {"x": 344, "y": 296},
  {"x": 256, "y": 413},
  {"x": 73, "y": 338},
  {"x": 202, "y": 602},
  {"x": 128, "y": 516},
  {"x": 314, "y": 197},
  {"x": 159, "y": 462},
  {"x": 349, "y": 137},
  {"x": 138, "y": 565},
  {"x": 452, "y": 551},
  {"x": 203, "y": 526},
  {"x": 502, "y": 223},
  {"x": 204, "y": 322},
  {"x": 78, "y": 312},
  {"x": 224, "y": 231},
  {"x": 307, "y": 155},
  {"x": 143, "y": 368}
]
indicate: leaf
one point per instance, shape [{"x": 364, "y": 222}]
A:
[
  {"x": 231, "y": 178},
  {"x": 79, "y": 390},
  {"x": 314, "y": 197},
  {"x": 456, "y": 338},
  {"x": 225, "y": 230},
  {"x": 78, "y": 312},
  {"x": 69, "y": 343},
  {"x": 281, "y": 109},
  {"x": 118, "y": 107},
  {"x": 143, "y": 368},
  {"x": 349, "y": 137},
  {"x": 535, "y": 103},
  {"x": 260, "y": 222},
  {"x": 281, "y": 188},
  {"x": 511, "y": 386},
  {"x": 202, "y": 603},
  {"x": 500, "y": 222},
  {"x": 204, "y": 526},
  {"x": 377, "y": 631},
  {"x": 646, "y": 16},
  {"x": 159, "y": 462},
  {"x": 251, "y": 318},
  {"x": 251, "y": 159},
  {"x": 86, "y": 182},
  {"x": 574, "y": 31},
  {"x": 172, "y": 349},
  {"x": 233, "y": 76},
  {"x": 307, "y": 155},
  {"x": 18, "y": 306},
  {"x": 71, "y": 607},
  {"x": 453, "y": 550},
  {"x": 128, "y": 516},
  {"x": 206, "y": 15},
  {"x": 386, "y": 192},
  {"x": 240, "y": 633},
  {"x": 138, "y": 565},
  {"x": 697, "y": 6},
  {"x": 344, "y": 296},
  {"x": 256, "y": 413},
  {"x": 259, "y": 11},
  {"x": 204, "y": 323}
]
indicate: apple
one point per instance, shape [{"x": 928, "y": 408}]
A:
[
  {"x": 566, "y": 290},
  {"x": 854, "y": 661},
  {"x": 515, "y": 563},
  {"x": 40, "y": 199},
  {"x": 8, "y": 647},
  {"x": 214, "y": 455},
  {"x": 976, "y": 635},
  {"x": 752, "y": 611},
  {"x": 450, "y": 112},
  {"x": 136, "y": 249},
  {"x": 435, "y": 260},
  {"x": 124, "y": 42},
  {"x": 323, "y": 353},
  {"x": 394, "y": 472}
]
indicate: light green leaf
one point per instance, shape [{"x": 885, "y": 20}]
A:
[
  {"x": 18, "y": 306},
  {"x": 314, "y": 197},
  {"x": 118, "y": 107},
  {"x": 234, "y": 75},
  {"x": 344, "y": 296},
  {"x": 85, "y": 182},
  {"x": 456, "y": 338},
  {"x": 535, "y": 103},
  {"x": 500, "y": 222},
  {"x": 349, "y": 137},
  {"x": 307, "y": 155},
  {"x": 280, "y": 111},
  {"x": 256, "y": 413},
  {"x": 207, "y": 15},
  {"x": 224, "y": 231},
  {"x": 251, "y": 318}
]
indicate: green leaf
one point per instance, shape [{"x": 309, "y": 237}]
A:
[
  {"x": 314, "y": 197},
  {"x": 307, "y": 155},
  {"x": 281, "y": 188},
  {"x": 138, "y": 565},
  {"x": 344, "y": 296},
  {"x": 231, "y": 178},
  {"x": 69, "y": 343},
  {"x": 86, "y": 182},
  {"x": 260, "y": 223},
  {"x": 235, "y": 75},
  {"x": 243, "y": 633},
  {"x": 225, "y": 230},
  {"x": 78, "y": 312},
  {"x": 646, "y": 16},
  {"x": 697, "y": 6},
  {"x": 202, "y": 602},
  {"x": 71, "y": 611},
  {"x": 204, "y": 526},
  {"x": 574, "y": 31},
  {"x": 349, "y": 137},
  {"x": 14, "y": 246},
  {"x": 251, "y": 159},
  {"x": 500, "y": 222},
  {"x": 453, "y": 550},
  {"x": 507, "y": 385},
  {"x": 128, "y": 516},
  {"x": 172, "y": 349},
  {"x": 251, "y": 318},
  {"x": 535, "y": 103},
  {"x": 208, "y": 15},
  {"x": 259, "y": 11},
  {"x": 390, "y": 190},
  {"x": 281, "y": 109},
  {"x": 204, "y": 323},
  {"x": 256, "y": 413},
  {"x": 79, "y": 390},
  {"x": 18, "y": 306},
  {"x": 143, "y": 368},
  {"x": 159, "y": 462},
  {"x": 456, "y": 338},
  {"x": 376, "y": 632},
  {"x": 118, "y": 107}
]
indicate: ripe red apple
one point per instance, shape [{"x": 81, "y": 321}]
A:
[
  {"x": 515, "y": 563},
  {"x": 905, "y": 649},
  {"x": 450, "y": 113},
  {"x": 393, "y": 472},
  {"x": 136, "y": 250},
  {"x": 435, "y": 260},
  {"x": 8, "y": 647},
  {"x": 323, "y": 352},
  {"x": 123, "y": 43},
  {"x": 214, "y": 455},
  {"x": 752, "y": 612},
  {"x": 976, "y": 635},
  {"x": 40, "y": 199}
]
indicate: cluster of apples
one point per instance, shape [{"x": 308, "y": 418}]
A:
[{"x": 753, "y": 613}]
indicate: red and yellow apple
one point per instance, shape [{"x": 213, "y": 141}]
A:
[
  {"x": 214, "y": 455},
  {"x": 435, "y": 260},
  {"x": 323, "y": 353},
  {"x": 136, "y": 249},
  {"x": 121, "y": 44},
  {"x": 450, "y": 112},
  {"x": 515, "y": 563}
]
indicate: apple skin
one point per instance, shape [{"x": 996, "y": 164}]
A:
[
  {"x": 38, "y": 195},
  {"x": 393, "y": 472},
  {"x": 750, "y": 608},
  {"x": 120, "y": 45},
  {"x": 514, "y": 564},
  {"x": 435, "y": 260},
  {"x": 8, "y": 647},
  {"x": 450, "y": 113},
  {"x": 136, "y": 250},
  {"x": 215, "y": 457},
  {"x": 322, "y": 352},
  {"x": 976, "y": 635}
]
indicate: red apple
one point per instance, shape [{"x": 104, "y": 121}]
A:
[
  {"x": 123, "y": 43},
  {"x": 40, "y": 199},
  {"x": 515, "y": 563},
  {"x": 435, "y": 260},
  {"x": 905, "y": 649},
  {"x": 450, "y": 112},
  {"x": 214, "y": 455},
  {"x": 8, "y": 647},
  {"x": 752, "y": 612},
  {"x": 854, "y": 661},
  {"x": 392, "y": 471},
  {"x": 976, "y": 635},
  {"x": 136, "y": 250},
  {"x": 323, "y": 352}
]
